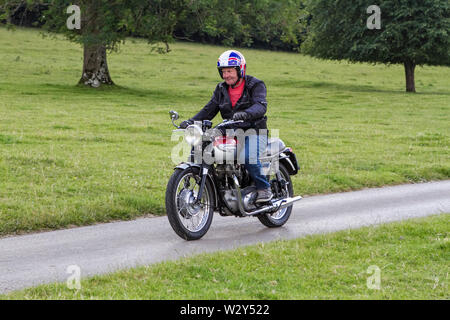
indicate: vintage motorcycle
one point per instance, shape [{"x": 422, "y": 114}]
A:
[{"x": 197, "y": 188}]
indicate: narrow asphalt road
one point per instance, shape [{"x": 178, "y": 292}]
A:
[{"x": 39, "y": 258}]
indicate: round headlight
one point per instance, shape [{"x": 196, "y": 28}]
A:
[{"x": 193, "y": 135}]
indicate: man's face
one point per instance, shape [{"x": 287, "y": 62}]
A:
[{"x": 230, "y": 75}]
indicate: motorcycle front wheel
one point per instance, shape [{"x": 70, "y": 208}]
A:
[{"x": 188, "y": 218}]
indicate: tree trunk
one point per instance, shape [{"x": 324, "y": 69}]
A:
[
  {"x": 409, "y": 73},
  {"x": 95, "y": 66}
]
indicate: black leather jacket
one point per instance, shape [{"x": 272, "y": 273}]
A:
[{"x": 253, "y": 101}]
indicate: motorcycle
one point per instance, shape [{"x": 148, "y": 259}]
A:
[{"x": 198, "y": 188}]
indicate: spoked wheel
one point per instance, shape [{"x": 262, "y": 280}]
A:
[
  {"x": 280, "y": 217},
  {"x": 188, "y": 218}
]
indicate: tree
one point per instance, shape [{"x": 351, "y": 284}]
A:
[
  {"x": 104, "y": 25},
  {"x": 412, "y": 33}
]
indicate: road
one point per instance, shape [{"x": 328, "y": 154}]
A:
[{"x": 34, "y": 259}]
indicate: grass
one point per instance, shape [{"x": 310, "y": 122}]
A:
[
  {"x": 70, "y": 155},
  {"x": 412, "y": 258}
]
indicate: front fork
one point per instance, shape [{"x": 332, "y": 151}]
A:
[{"x": 204, "y": 169}]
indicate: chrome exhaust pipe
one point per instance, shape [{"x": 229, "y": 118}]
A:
[
  {"x": 288, "y": 201},
  {"x": 274, "y": 206}
]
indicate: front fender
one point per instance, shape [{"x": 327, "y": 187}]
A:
[{"x": 185, "y": 165}]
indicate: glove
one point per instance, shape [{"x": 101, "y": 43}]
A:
[
  {"x": 241, "y": 116},
  {"x": 186, "y": 123}
]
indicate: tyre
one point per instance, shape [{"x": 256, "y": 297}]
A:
[
  {"x": 280, "y": 217},
  {"x": 189, "y": 220}
]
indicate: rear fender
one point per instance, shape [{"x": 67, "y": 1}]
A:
[{"x": 289, "y": 160}]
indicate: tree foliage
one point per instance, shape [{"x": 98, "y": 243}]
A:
[
  {"x": 23, "y": 13},
  {"x": 272, "y": 24},
  {"x": 110, "y": 21},
  {"x": 413, "y": 32},
  {"x": 103, "y": 21}
]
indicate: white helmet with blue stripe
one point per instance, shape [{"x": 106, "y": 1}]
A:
[{"x": 232, "y": 59}]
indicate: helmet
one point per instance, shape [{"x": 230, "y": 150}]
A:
[{"x": 232, "y": 59}]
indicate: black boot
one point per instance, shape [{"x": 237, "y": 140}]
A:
[{"x": 264, "y": 195}]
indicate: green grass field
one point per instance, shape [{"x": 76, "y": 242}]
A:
[
  {"x": 74, "y": 156},
  {"x": 411, "y": 258}
]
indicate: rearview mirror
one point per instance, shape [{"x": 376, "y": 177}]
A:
[{"x": 174, "y": 115}]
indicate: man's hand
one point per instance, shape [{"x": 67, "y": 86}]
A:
[
  {"x": 242, "y": 115},
  {"x": 186, "y": 123}
]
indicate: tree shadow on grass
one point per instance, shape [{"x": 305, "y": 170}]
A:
[
  {"x": 344, "y": 87},
  {"x": 170, "y": 95},
  {"x": 105, "y": 91}
]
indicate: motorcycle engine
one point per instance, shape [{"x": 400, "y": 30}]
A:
[{"x": 248, "y": 196}]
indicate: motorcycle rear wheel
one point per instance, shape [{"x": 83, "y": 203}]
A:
[
  {"x": 188, "y": 220},
  {"x": 280, "y": 217}
]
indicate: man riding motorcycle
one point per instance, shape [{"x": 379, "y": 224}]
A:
[{"x": 241, "y": 97}]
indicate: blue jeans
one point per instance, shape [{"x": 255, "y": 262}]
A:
[{"x": 255, "y": 145}]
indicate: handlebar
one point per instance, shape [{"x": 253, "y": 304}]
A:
[
  {"x": 224, "y": 123},
  {"x": 174, "y": 116}
]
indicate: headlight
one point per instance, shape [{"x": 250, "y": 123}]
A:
[{"x": 193, "y": 135}]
